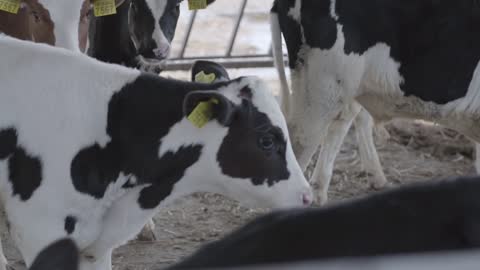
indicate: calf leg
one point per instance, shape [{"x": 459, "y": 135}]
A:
[
  {"x": 368, "y": 153},
  {"x": 330, "y": 146},
  {"x": 122, "y": 222},
  {"x": 3, "y": 260}
]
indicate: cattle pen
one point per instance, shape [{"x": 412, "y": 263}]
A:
[{"x": 236, "y": 34}]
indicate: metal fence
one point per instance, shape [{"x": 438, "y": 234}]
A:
[{"x": 228, "y": 60}]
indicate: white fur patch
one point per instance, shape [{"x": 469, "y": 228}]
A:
[
  {"x": 471, "y": 102},
  {"x": 66, "y": 18},
  {"x": 333, "y": 11},
  {"x": 296, "y": 11}
]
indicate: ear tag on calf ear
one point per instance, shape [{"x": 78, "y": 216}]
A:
[
  {"x": 202, "y": 77},
  {"x": 103, "y": 7},
  {"x": 10, "y": 6},
  {"x": 202, "y": 113},
  {"x": 197, "y": 4}
]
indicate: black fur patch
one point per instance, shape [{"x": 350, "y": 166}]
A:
[
  {"x": 25, "y": 173},
  {"x": 70, "y": 223},
  {"x": 429, "y": 217},
  {"x": 61, "y": 255},
  {"x": 291, "y": 31},
  {"x": 8, "y": 142},
  {"x": 240, "y": 154},
  {"x": 169, "y": 19},
  {"x": 110, "y": 40},
  {"x": 173, "y": 167},
  {"x": 93, "y": 169}
]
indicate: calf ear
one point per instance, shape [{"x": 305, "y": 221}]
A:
[
  {"x": 209, "y": 72},
  {"x": 210, "y": 1},
  {"x": 214, "y": 106}
]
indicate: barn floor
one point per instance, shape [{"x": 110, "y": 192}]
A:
[{"x": 416, "y": 151}]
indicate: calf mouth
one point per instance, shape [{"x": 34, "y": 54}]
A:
[{"x": 150, "y": 64}]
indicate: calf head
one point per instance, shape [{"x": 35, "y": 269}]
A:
[
  {"x": 152, "y": 25},
  {"x": 33, "y": 22},
  {"x": 255, "y": 158}
]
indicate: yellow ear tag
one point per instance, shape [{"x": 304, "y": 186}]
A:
[
  {"x": 202, "y": 77},
  {"x": 103, "y": 7},
  {"x": 10, "y": 6},
  {"x": 202, "y": 113},
  {"x": 197, "y": 4}
]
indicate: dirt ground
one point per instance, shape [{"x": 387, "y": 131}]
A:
[{"x": 416, "y": 151}]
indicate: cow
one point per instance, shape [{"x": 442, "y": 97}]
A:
[
  {"x": 428, "y": 217},
  {"x": 60, "y": 255},
  {"x": 138, "y": 36},
  {"x": 413, "y": 59},
  {"x": 90, "y": 150}
]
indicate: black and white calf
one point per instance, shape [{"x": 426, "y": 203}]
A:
[
  {"x": 410, "y": 59},
  {"x": 91, "y": 150},
  {"x": 431, "y": 217},
  {"x": 139, "y": 35}
]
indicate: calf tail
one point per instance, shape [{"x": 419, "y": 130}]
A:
[{"x": 279, "y": 62}]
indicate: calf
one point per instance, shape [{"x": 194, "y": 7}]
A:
[
  {"x": 91, "y": 150},
  {"x": 428, "y": 217},
  {"x": 414, "y": 59},
  {"x": 139, "y": 35}
]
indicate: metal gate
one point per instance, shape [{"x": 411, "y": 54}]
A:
[{"x": 228, "y": 60}]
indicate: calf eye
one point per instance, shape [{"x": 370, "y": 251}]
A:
[{"x": 266, "y": 142}]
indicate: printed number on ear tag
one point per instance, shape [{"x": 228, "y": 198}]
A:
[
  {"x": 202, "y": 113},
  {"x": 202, "y": 77},
  {"x": 104, "y": 7},
  {"x": 10, "y": 6},
  {"x": 197, "y": 4}
]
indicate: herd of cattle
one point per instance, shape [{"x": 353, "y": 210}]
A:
[{"x": 93, "y": 142}]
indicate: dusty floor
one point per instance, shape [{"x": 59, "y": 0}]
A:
[{"x": 415, "y": 152}]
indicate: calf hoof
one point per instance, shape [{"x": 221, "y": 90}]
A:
[
  {"x": 379, "y": 184},
  {"x": 381, "y": 133},
  {"x": 4, "y": 264},
  {"x": 147, "y": 234},
  {"x": 322, "y": 198}
]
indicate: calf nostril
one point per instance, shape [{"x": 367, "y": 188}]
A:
[
  {"x": 306, "y": 199},
  {"x": 161, "y": 52}
]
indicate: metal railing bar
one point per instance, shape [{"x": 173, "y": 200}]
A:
[
  {"x": 230, "y": 62},
  {"x": 219, "y": 56},
  {"x": 235, "y": 29},
  {"x": 189, "y": 32}
]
